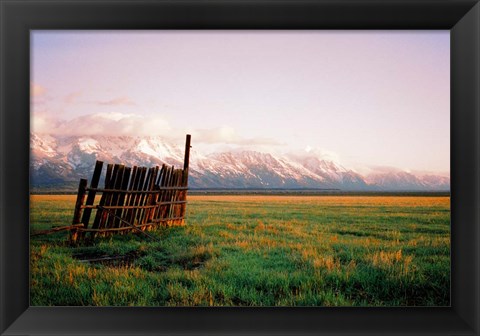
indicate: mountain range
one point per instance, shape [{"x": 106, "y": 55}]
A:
[{"x": 58, "y": 162}]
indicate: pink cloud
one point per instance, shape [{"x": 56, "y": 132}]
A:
[
  {"x": 72, "y": 97},
  {"x": 37, "y": 90}
]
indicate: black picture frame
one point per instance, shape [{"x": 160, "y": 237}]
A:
[{"x": 18, "y": 17}]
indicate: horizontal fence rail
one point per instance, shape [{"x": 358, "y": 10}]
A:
[
  {"x": 133, "y": 199},
  {"x": 156, "y": 191}
]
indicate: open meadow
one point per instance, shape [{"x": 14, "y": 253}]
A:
[{"x": 254, "y": 250}]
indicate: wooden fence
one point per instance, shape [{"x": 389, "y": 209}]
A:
[{"x": 134, "y": 199}]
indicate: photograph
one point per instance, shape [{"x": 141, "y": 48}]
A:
[{"x": 240, "y": 168}]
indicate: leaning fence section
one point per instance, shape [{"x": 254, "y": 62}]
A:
[{"x": 133, "y": 199}]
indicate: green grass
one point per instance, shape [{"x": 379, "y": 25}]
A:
[{"x": 255, "y": 251}]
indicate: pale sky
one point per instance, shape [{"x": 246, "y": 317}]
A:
[{"x": 364, "y": 98}]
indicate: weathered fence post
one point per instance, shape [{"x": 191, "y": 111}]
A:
[
  {"x": 91, "y": 193},
  {"x": 187, "y": 152},
  {"x": 82, "y": 189},
  {"x": 184, "y": 183},
  {"x": 100, "y": 213}
]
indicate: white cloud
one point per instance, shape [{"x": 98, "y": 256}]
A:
[
  {"x": 43, "y": 123},
  {"x": 112, "y": 123},
  {"x": 228, "y": 135},
  {"x": 319, "y": 152},
  {"x": 131, "y": 124}
]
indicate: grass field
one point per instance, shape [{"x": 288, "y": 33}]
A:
[{"x": 255, "y": 251}]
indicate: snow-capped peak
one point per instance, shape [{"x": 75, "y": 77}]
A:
[{"x": 88, "y": 145}]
